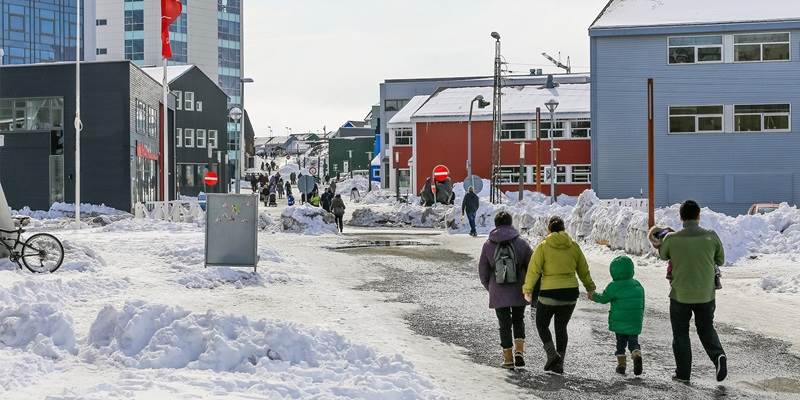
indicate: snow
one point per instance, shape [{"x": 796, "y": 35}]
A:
[
  {"x": 403, "y": 117},
  {"x": 345, "y": 186},
  {"x": 62, "y": 210},
  {"x": 518, "y": 102},
  {"x": 631, "y": 13},
  {"x": 401, "y": 215},
  {"x": 308, "y": 220},
  {"x": 173, "y": 72}
]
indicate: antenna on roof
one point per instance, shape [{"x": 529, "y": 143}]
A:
[{"x": 558, "y": 63}]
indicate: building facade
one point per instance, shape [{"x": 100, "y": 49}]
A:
[
  {"x": 201, "y": 137},
  {"x": 37, "y": 31},
  {"x": 121, "y": 140},
  {"x": 724, "y": 103}
]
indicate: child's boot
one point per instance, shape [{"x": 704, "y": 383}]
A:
[
  {"x": 636, "y": 356},
  {"x": 508, "y": 359},
  {"x": 519, "y": 352},
  {"x": 622, "y": 363}
]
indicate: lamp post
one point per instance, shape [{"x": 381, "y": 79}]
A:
[
  {"x": 78, "y": 122},
  {"x": 236, "y": 114},
  {"x": 481, "y": 104},
  {"x": 551, "y": 105},
  {"x": 240, "y": 161}
]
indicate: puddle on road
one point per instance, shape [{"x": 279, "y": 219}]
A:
[
  {"x": 362, "y": 244},
  {"x": 779, "y": 385}
]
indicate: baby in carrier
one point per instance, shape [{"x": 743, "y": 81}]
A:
[{"x": 657, "y": 234}]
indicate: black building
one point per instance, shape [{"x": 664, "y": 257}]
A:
[
  {"x": 201, "y": 133},
  {"x": 120, "y": 153}
]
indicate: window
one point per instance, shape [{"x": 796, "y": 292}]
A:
[
  {"x": 178, "y": 137},
  {"x": 199, "y": 106},
  {"x": 762, "y": 118},
  {"x": 134, "y": 20},
  {"x": 34, "y": 114},
  {"x": 695, "y": 49},
  {"x": 101, "y": 52},
  {"x": 101, "y": 22},
  {"x": 558, "y": 130},
  {"x": 508, "y": 175},
  {"x": 178, "y": 99},
  {"x": 188, "y": 101},
  {"x": 403, "y": 137},
  {"x": 394, "y": 105},
  {"x": 581, "y": 128},
  {"x": 761, "y": 47},
  {"x": 152, "y": 122},
  {"x": 141, "y": 117},
  {"x": 581, "y": 174},
  {"x": 188, "y": 138},
  {"x": 189, "y": 174},
  {"x": 512, "y": 130},
  {"x": 213, "y": 139},
  {"x": 201, "y": 138},
  {"x": 693, "y": 119}
]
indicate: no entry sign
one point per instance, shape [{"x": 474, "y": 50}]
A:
[
  {"x": 211, "y": 178},
  {"x": 440, "y": 173}
]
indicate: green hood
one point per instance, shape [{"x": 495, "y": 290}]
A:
[
  {"x": 558, "y": 240},
  {"x": 621, "y": 268}
]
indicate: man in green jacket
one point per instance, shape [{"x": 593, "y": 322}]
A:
[{"x": 694, "y": 253}]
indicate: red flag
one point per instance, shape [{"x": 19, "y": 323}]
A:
[{"x": 170, "y": 11}]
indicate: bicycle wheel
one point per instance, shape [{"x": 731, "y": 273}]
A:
[{"x": 42, "y": 253}]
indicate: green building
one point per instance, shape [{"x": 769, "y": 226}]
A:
[{"x": 347, "y": 154}]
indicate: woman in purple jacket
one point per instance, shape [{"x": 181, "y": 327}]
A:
[{"x": 506, "y": 298}]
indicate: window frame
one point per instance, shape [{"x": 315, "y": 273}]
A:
[
  {"x": 178, "y": 99},
  {"x": 572, "y": 129},
  {"x": 198, "y": 106},
  {"x": 403, "y": 133},
  {"x": 187, "y": 102},
  {"x": 514, "y": 139},
  {"x": 696, "y": 119},
  {"x": 213, "y": 138},
  {"x": 763, "y": 116},
  {"x": 588, "y": 174},
  {"x": 178, "y": 137},
  {"x": 188, "y": 138},
  {"x": 761, "y": 47},
  {"x": 503, "y": 173},
  {"x": 200, "y": 140},
  {"x": 697, "y": 48},
  {"x": 545, "y": 133}
]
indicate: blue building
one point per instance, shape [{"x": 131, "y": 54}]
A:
[
  {"x": 726, "y": 87},
  {"x": 35, "y": 31}
]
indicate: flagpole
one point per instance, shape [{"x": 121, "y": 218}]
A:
[
  {"x": 78, "y": 123},
  {"x": 166, "y": 133}
]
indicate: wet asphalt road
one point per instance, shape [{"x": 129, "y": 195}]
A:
[{"x": 453, "y": 307}]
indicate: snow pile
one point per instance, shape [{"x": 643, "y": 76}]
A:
[
  {"x": 305, "y": 362},
  {"x": 381, "y": 197},
  {"x": 151, "y": 225},
  {"x": 267, "y": 223},
  {"x": 38, "y": 328},
  {"x": 308, "y": 220},
  {"x": 64, "y": 210},
  {"x": 402, "y": 215},
  {"x": 776, "y": 284},
  {"x": 80, "y": 258},
  {"x": 359, "y": 182},
  {"x": 287, "y": 170},
  {"x": 213, "y": 277}
]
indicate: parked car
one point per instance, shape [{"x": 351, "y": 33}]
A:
[{"x": 762, "y": 208}]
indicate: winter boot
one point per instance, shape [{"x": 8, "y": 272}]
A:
[
  {"x": 553, "y": 357},
  {"x": 636, "y": 356},
  {"x": 722, "y": 367},
  {"x": 622, "y": 363},
  {"x": 519, "y": 352},
  {"x": 558, "y": 367},
  {"x": 508, "y": 359}
]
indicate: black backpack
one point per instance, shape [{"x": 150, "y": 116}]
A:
[{"x": 505, "y": 263}]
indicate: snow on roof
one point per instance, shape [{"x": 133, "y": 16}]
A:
[
  {"x": 518, "y": 101},
  {"x": 403, "y": 117},
  {"x": 173, "y": 72},
  {"x": 634, "y": 13}
]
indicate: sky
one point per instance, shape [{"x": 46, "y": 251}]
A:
[{"x": 318, "y": 63}]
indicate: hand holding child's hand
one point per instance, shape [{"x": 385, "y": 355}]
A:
[{"x": 528, "y": 297}]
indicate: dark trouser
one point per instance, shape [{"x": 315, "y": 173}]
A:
[
  {"x": 511, "y": 318},
  {"x": 340, "y": 222},
  {"x": 629, "y": 341},
  {"x": 679, "y": 315},
  {"x": 562, "y": 314},
  {"x": 471, "y": 219}
]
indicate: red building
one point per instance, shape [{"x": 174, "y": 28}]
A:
[{"x": 432, "y": 130}]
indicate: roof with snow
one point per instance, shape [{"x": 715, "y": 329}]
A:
[
  {"x": 173, "y": 72},
  {"x": 519, "y": 102},
  {"x": 403, "y": 117},
  {"x": 643, "y": 13}
]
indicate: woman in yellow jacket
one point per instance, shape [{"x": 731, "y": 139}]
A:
[{"x": 556, "y": 262}]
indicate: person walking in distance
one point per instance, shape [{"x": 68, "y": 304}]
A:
[
  {"x": 470, "y": 206},
  {"x": 556, "y": 262},
  {"x": 694, "y": 253},
  {"x": 337, "y": 206},
  {"x": 502, "y": 266},
  {"x": 626, "y": 296}
]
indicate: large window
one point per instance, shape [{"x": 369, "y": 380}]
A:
[
  {"x": 581, "y": 128},
  {"x": 695, "y": 49},
  {"x": 152, "y": 122},
  {"x": 188, "y": 101},
  {"x": 693, "y": 119},
  {"x": 213, "y": 139},
  {"x": 403, "y": 137},
  {"x": 508, "y": 174},
  {"x": 581, "y": 174},
  {"x": 394, "y": 105},
  {"x": 558, "y": 130},
  {"x": 188, "y": 138},
  {"x": 134, "y": 20},
  {"x": 761, "y": 47},
  {"x": 201, "y": 138},
  {"x": 34, "y": 114},
  {"x": 512, "y": 131},
  {"x": 762, "y": 118},
  {"x": 141, "y": 117}
]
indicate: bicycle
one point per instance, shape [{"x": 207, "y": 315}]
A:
[{"x": 40, "y": 253}]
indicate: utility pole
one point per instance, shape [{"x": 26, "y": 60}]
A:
[
  {"x": 497, "y": 119},
  {"x": 538, "y": 171},
  {"x": 521, "y": 170},
  {"x": 651, "y": 196},
  {"x": 78, "y": 122}
]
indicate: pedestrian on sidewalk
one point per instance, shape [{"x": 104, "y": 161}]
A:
[
  {"x": 326, "y": 199},
  {"x": 626, "y": 296},
  {"x": 694, "y": 253},
  {"x": 555, "y": 263},
  {"x": 338, "y": 211},
  {"x": 470, "y": 206},
  {"x": 332, "y": 187},
  {"x": 502, "y": 266}
]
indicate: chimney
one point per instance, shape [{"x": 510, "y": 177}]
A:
[{"x": 551, "y": 83}]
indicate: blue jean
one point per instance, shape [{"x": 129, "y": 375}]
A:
[
  {"x": 629, "y": 341},
  {"x": 471, "y": 219}
]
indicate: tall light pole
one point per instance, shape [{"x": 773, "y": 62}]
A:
[
  {"x": 496, "y": 117},
  {"x": 481, "y": 104},
  {"x": 242, "y": 81},
  {"x": 552, "y": 104},
  {"x": 78, "y": 122},
  {"x": 236, "y": 114}
]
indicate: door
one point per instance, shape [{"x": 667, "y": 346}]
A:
[{"x": 345, "y": 166}]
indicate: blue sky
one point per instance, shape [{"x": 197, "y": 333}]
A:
[{"x": 319, "y": 62}]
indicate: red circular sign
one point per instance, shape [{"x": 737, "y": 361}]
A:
[
  {"x": 441, "y": 173},
  {"x": 211, "y": 178}
]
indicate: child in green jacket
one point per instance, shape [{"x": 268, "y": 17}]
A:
[{"x": 626, "y": 296}]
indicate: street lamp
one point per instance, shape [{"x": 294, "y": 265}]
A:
[
  {"x": 551, "y": 105},
  {"x": 240, "y": 161},
  {"x": 236, "y": 114},
  {"x": 481, "y": 104}
]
